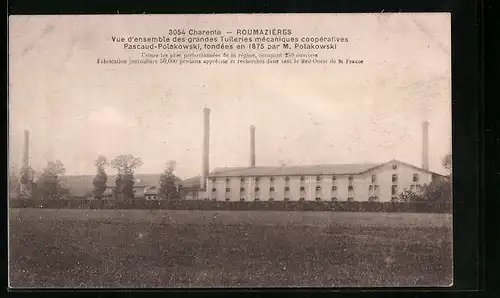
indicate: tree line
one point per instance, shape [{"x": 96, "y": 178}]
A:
[{"x": 48, "y": 184}]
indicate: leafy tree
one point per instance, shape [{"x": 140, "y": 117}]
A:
[
  {"x": 439, "y": 191},
  {"x": 101, "y": 178},
  {"x": 168, "y": 183},
  {"x": 48, "y": 184},
  {"x": 126, "y": 166},
  {"x": 435, "y": 192},
  {"x": 27, "y": 181},
  {"x": 14, "y": 184},
  {"x": 447, "y": 162}
]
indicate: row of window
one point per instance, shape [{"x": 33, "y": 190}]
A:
[
  {"x": 319, "y": 178},
  {"x": 300, "y": 199},
  {"x": 371, "y": 188},
  {"x": 286, "y": 189},
  {"x": 413, "y": 187},
  {"x": 287, "y": 178}
]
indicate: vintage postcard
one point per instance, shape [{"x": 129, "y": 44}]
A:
[{"x": 236, "y": 150}]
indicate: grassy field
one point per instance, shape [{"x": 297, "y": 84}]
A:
[{"x": 162, "y": 248}]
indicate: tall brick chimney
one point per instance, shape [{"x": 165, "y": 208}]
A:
[
  {"x": 26, "y": 153},
  {"x": 425, "y": 145},
  {"x": 206, "y": 148},
  {"x": 24, "y": 179},
  {"x": 252, "y": 146}
]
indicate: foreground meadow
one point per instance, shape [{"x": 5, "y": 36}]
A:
[{"x": 164, "y": 248}]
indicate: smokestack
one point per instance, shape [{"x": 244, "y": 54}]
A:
[
  {"x": 425, "y": 145},
  {"x": 26, "y": 153},
  {"x": 252, "y": 146},
  {"x": 206, "y": 147}
]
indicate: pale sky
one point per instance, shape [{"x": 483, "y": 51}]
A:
[{"x": 76, "y": 109}]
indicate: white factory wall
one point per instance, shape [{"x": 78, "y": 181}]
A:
[
  {"x": 405, "y": 179},
  {"x": 360, "y": 183}
]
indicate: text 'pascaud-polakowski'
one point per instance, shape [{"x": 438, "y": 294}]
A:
[{"x": 240, "y": 39}]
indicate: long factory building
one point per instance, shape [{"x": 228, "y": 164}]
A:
[{"x": 341, "y": 182}]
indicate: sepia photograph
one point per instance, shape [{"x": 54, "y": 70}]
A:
[{"x": 230, "y": 151}]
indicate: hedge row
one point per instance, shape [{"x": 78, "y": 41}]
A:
[{"x": 223, "y": 205}]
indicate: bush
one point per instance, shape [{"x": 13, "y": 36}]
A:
[
  {"x": 434, "y": 192},
  {"x": 410, "y": 197},
  {"x": 137, "y": 204},
  {"x": 438, "y": 192}
]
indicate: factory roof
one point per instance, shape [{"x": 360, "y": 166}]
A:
[
  {"x": 293, "y": 170},
  {"x": 333, "y": 169},
  {"x": 193, "y": 182},
  {"x": 152, "y": 190},
  {"x": 299, "y": 170}
]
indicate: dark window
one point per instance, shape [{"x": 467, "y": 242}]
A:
[
  {"x": 318, "y": 178},
  {"x": 394, "y": 190},
  {"x": 287, "y": 178},
  {"x": 287, "y": 188},
  {"x": 394, "y": 178},
  {"x": 302, "y": 199},
  {"x": 257, "y": 189},
  {"x": 271, "y": 199},
  {"x": 350, "y": 199},
  {"x": 228, "y": 199},
  {"x": 302, "y": 178},
  {"x": 228, "y": 179},
  {"x": 242, "y": 199},
  {"x": 394, "y": 167},
  {"x": 373, "y": 199},
  {"x": 242, "y": 189},
  {"x": 318, "y": 187},
  {"x": 350, "y": 178},
  {"x": 256, "y": 199},
  {"x": 350, "y": 187},
  {"x": 214, "y": 199},
  {"x": 242, "y": 179},
  {"x": 334, "y": 178},
  {"x": 415, "y": 177},
  {"x": 334, "y": 199},
  {"x": 334, "y": 187},
  {"x": 271, "y": 179},
  {"x": 228, "y": 189},
  {"x": 370, "y": 188},
  {"x": 214, "y": 180},
  {"x": 257, "y": 179},
  {"x": 374, "y": 178},
  {"x": 318, "y": 199},
  {"x": 214, "y": 189},
  {"x": 286, "y": 199},
  {"x": 271, "y": 188},
  {"x": 302, "y": 188}
]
